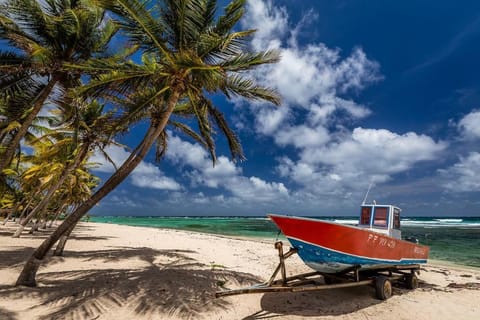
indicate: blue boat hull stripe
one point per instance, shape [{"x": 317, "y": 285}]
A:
[{"x": 314, "y": 253}]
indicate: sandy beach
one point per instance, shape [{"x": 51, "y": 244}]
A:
[{"x": 120, "y": 272}]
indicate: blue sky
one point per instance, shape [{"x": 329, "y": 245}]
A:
[{"x": 382, "y": 92}]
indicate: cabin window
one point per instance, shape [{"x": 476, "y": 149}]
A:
[
  {"x": 380, "y": 219},
  {"x": 396, "y": 218},
  {"x": 365, "y": 215}
]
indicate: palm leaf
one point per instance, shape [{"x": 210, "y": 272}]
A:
[{"x": 249, "y": 89}]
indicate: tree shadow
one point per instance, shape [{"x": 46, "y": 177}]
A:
[
  {"x": 14, "y": 258},
  {"x": 7, "y": 315},
  {"x": 5, "y": 234},
  {"x": 331, "y": 302},
  {"x": 171, "y": 283}
]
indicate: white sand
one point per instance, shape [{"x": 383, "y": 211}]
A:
[{"x": 119, "y": 272}]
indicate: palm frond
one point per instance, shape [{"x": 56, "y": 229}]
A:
[
  {"x": 233, "y": 141},
  {"x": 201, "y": 114},
  {"x": 139, "y": 23},
  {"x": 161, "y": 145},
  {"x": 247, "y": 88},
  {"x": 233, "y": 13},
  {"x": 246, "y": 61},
  {"x": 188, "y": 131}
]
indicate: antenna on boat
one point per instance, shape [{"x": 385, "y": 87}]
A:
[{"x": 366, "y": 195}]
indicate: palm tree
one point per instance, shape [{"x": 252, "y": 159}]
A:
[
  {"x": 189, "y": 52},
  {"x": 84, "y": 128},
  {"x": 79, "y": 189},
  {"x": 44, "y": 36}
]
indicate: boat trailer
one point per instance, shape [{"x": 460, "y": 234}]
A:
[{"x": 381, "y": 278}]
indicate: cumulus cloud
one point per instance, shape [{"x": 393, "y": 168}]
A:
[
  {"x": 335, "y": 160},
  {"x": 145, "y": 175},
  {"x": 367, "y": 155},
  {"x": 469, "y": 125},
  {"x": 463, "y": 175},
  {"x": 312, "y": 77},
  {"x": 274, "y": 26},
  {"x": 317, "y": 84},
  {"x": 315, "y": 81},
  {"x": 225, "y": 175}
]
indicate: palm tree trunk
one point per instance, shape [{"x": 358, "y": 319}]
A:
[
  {"x": 28, "y": 274},
  {"x": 35, "y": 226},
  {"x": 9, "y": 215},
  {"x": 12, "y": 212},
  {"x": 63, "y": 240},
  {"x": 19, "y": 231},
  {"x": 32, "y": 198},
  {"x": 54, "y": 187},
  {"x": 7, "y": 155},
  {"x": 23, "y": 222},
  {"x": 60, "y": 210}
]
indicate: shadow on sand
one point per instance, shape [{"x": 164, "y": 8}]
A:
[
  {"x": 171, "y": 283},
  {"x": 330, "y": 302},
  {"x": 7, "y": 315}
]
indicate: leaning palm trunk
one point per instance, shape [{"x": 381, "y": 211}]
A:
[
  {"x": 12, "y": 212},
  {"x": 35, "y": 226},
  {"x": 22, "y": 222},
  {"x": 63, "y": 240},
  {"x": 43, "y": 203},
  {"x": 29, "y": 202},
  {"x": 157, "y": 126},
  {"x": 60, "y": 210},
  {"x": 7, "y": 156}
]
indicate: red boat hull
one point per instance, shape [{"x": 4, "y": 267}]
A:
[{"x": 331, "y": 247}]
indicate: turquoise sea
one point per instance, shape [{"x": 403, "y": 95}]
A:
[{"x": 455, "y": 240}]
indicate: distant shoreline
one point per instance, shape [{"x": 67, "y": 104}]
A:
[
  {"x": 450, "y": 240},
  {"x": 114, "y": 272}
]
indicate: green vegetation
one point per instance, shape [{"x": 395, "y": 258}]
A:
[{"x": 59, "y": 61}]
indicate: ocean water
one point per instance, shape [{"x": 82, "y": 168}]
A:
[{"x": 455, "y": 240}]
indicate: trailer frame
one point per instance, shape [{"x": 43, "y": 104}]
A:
[{"x": 381, "y": 278}]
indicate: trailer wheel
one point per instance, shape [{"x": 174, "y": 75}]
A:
[
  {"x": 383, "y": 288},
  {"x": 411, "y": 281}
]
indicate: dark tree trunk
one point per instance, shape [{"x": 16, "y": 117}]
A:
[
  {"x": 62, "y": 207},
  {"x": 54, "y": 187},
  {"x": 63, "y": 240},
  {"x": 35, "y": 226},
  {"x": 12, "y": 212},
  {"x": 7, "y": 156},
  {"x": 28, "y": 274}
]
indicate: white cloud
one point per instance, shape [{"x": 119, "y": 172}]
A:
[
  {"x": 302, "y": 136},
  {"x": 145, "y": 175},
  {"x": 463, "y": 175},
  {"x": 312, "y": 79},
  {"x": 316, "y": 83},
  {"x": 223, "y": 175},
  {"x": 275, "y": 23},
  {"x": 469, "y": 125},
  {"x": 367, "y": 155}
]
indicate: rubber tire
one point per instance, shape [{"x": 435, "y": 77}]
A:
[
  {"x": 383, "y": 288},
  {"x": 411, "y": 282}
]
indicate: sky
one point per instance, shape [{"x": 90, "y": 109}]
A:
[{"x": 373, "y": 92}]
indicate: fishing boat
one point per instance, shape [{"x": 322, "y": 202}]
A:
[{"x": 373, "y": 243}]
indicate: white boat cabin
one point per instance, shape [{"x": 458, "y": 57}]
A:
[{"x": 381, "y": 218}]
